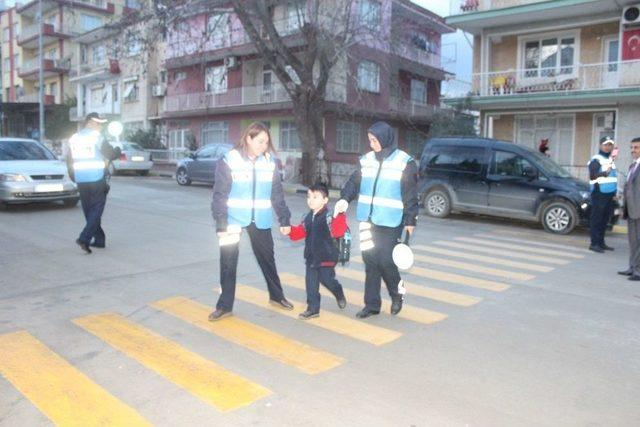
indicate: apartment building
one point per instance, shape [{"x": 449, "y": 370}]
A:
[
  {"x": 118, "y": 76},
  {"x": 565, "y": 70},
  {"x": 61, "y": 21},
  {"x": 216, "y": 87}
]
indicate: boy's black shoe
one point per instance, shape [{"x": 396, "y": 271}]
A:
[
  {"x": 83, "y": 246},
  {"x": 283, "y": 303},
  {"x": 366, "y": 312},
  {"x": 341, "y": 300},
  {"x": 218, "y": 314},
  {"x": 307, "y": 314},
  {"x": 396, "y": 306}
]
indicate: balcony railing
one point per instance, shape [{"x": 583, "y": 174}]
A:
[
  {"x": 411, "y": 107},
  {"x": 576, "y": 78},
  {"x": 49, "y": 64},
  {"x": 413, "y": 53}
]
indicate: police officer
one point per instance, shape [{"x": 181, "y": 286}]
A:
[
  {"x": 386, "y": 187},
  {"x": 603, "y": 180},
  {"x": 246, "y": 188},
  {"x": 88, "y": 154}
]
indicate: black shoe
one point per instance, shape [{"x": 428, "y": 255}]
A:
[
  {"x": 396, "y": 306},
  {"x": 366, "y": 312},
  {"x": 83, "y": 246},
  {"x": 219, "y": 314},
  {"x": 283, "y": 303},
  {"x": 608, "y": 248},
  {"x": 627, "y": 272},
  {"x": 341, "y": 300},
  {"x": 634, "y": 278},
  {"x": 308, "y": 314},
  {"x": 597, "y": 249}
]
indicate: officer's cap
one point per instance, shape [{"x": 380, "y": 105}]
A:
[
  {"x": 96, "y": 118},
  {"x": 607, "y": 140}
]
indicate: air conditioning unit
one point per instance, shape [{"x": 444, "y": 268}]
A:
[
  {"x": 631, "y": 16},
  {"x": 157, "y": 90},
  {"x": 231, "y": 62}
]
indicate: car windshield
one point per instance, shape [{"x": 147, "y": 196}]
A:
[
  {"x": 551, "y": 167},
  {"x": 24, "y": 150},
  {"x": 131, "y": 146}
]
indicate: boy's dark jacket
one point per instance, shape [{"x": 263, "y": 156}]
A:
[{"x": 320, "y": 249}]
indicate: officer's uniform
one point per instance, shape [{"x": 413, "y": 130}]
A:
[
  {"x": 604, "y": 185},
  {"x": 244, "y": 194},
  {"x": 386, "y": 188},
  {"x": 88, "y": 163}
]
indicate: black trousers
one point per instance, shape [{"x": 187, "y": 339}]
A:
[
  {"x": 93, "y": 197},
  {"x": 379, "y": 266},
  {"x": 262, "y": 245},
  {"x": 601, "y": 210},
  {"x": 315, "y": 276}
]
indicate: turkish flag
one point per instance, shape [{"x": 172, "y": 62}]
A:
[{"x": 631, "y": 45}]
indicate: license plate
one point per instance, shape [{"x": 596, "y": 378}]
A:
[
  {"x": 137, "y": 159},
  {"x": 48, "y": 188}
]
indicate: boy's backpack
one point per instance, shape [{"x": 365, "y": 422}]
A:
[{"x": 343, "y": 244}]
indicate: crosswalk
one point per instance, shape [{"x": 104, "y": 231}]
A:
[{"x": 449, "y": 276}]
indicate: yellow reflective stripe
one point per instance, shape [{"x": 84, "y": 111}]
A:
[{"x": 88, "y": 164}]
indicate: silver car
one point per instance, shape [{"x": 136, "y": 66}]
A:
[
  {"x": 30, "y": 172},
  {"x": 132, "y": 158}
]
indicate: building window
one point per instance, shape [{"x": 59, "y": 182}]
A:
[
  {"x": 369, "y": 76},
  {"x": 418, "y": 91},
  {"x": 6, "y": 34},
  {"x": 347, "y": 137},
  {"x": 558, "y": 129},
  {"x": 98, "y": 55},
  {"x": 216, "y": 79},
  {"x": 52, "y": 20},
  {"x": 96, "y": 97},
  {"x": 289, "y": 139},
  {"x": 52, "y": 54},
  {"x": 89, "y": 22},
  {"x": 16, "y": 30},
  {"x": 16, "y": 60},
  {"x": 178, "y": 139},
  {"x": 53, "y": 89},
  {"x": 295, "y": 17},
  {"x": 7, "y": 65},
  {"x": 83, "y": 54},
  {"x": 370, "y": 14},
  {"x": 218, "y": 29},
  {"x": 179, "y": 76},
  {"x": 131, "y": 91},
  {"x": 414, "y": 143},
  {"x": 133, "y": 4},
  {"x": 215, "y": 133},
  {"x": 133, "y": 45},
  {"x": 549, "y": 56}
]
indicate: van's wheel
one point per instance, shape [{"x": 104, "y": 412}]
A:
[
  {"x": 559, "y": 217},
  {"x": 182, "y": 177},
  {"x": 437, "y": 203}
]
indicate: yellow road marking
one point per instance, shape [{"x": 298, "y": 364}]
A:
[
  {"x": 458, "y": 279},
  {"x": 485, "y": 259},
  {"x": 64, "y": 394},
  {"x": 337, "y": 323},
  {"x": 256, "y": 338},
  {"x": 436, "y": 294},
  {"x": 468, "y": 267},
  {"x": 505, "y": 253},
  {"x": 535, "y": 243},
  {"x": 408, "y": 312},
  {"x": 528, "y": 249},
  {"x": 203, "y": 378}
]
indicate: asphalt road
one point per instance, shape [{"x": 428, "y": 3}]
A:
[{"x": 503, "y": 324}]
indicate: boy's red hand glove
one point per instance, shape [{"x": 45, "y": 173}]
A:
[
  {"x": 339, "y": 226},
  {"x": 297, "y": 232}
]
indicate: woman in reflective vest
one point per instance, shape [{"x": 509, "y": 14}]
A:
[
  {"x": 603, "y": 180},
  {"x": 385, "y": 185},
  {"x": 247, "y": 188}
]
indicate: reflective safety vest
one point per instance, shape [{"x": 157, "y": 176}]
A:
[
  {"x": 380, "y": 199},
  {"x": 607, "y": 184},
  {"x": 250, "y": 197},
  {"x": 88, "y": 162}
]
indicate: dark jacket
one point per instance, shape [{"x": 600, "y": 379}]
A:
[
  {"x": 222, "y": 189},
  {"x": 320, "y": 247},
  {"x": 594, "y": 171},
  {"x": 409, "y": 183}
]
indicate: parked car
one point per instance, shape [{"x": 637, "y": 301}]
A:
[
  {"x": 499, "y": 178},
  {"x": 201, "y": 165},
  {"x": 30, "y": 172},
  {"x": 133, "y": 158}
]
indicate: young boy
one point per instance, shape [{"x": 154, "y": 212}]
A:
[{"x": 320, "y": 252}]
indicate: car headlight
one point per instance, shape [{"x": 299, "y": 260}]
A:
[
  {"x": 585, "y": 194},
  {"x": 12, "y": 177}
]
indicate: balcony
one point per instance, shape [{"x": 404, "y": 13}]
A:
[
  {"x": 29, "y": 37},
  {"x": 407, "y": 107},
  {"x": 30, "y": 69},
  {"x": 421, "y": 56},
  {"x": 35, "y": 98},
  {"x": 30, "y": 9},
  {"x": 612, "y": 81}
]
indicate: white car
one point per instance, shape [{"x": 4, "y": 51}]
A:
[
  {"x": 30, "y": 172},
  {"x": 132, "y": 158}
]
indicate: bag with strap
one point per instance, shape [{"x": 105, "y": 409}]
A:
[{"x": 343, "y": 244}]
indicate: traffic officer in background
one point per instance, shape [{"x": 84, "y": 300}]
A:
[
  {"x": 89, "y": 155},
  {"x": 386, "y": 187},
  {"x": 603, "y": 180}
]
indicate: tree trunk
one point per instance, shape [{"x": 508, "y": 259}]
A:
[{"x": 309, "y": 116}]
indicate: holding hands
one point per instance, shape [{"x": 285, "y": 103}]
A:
[{"x": 340, "y": 207}]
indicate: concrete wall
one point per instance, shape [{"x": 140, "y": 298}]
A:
[{"x": 627, "y": 129}]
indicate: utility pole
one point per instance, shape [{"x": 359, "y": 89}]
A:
[{"x": 40, "y": 74}]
